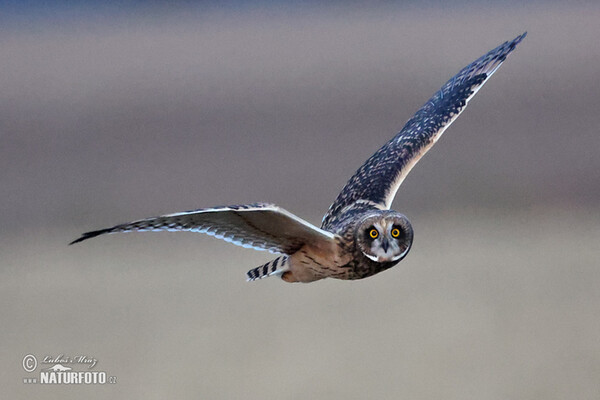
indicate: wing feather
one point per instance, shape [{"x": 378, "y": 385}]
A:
[
  {"x": 379, "y": 178},
  {"x": 258, "y": 226}
]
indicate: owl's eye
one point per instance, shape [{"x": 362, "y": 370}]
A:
[
  {"x": 395, "y": 232},
  {"x": 373, "y": 233}
]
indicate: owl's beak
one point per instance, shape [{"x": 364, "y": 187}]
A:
[{"x": 385, "y": 245}]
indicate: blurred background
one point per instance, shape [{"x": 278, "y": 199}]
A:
[{"x": 116, "y": 111}]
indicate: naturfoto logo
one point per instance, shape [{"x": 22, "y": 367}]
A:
[{"x": 59, "y": 370}]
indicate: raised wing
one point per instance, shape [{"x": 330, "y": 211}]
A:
[
  {"x": 258, "y": 226},
  {"x": 378, "y": 179}
]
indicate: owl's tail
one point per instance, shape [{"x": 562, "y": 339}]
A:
[{"x": 277, "y": 266}]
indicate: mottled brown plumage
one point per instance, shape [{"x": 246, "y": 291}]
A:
[{"x": 359, "y": 236}]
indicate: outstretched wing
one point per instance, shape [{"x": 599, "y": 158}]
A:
[
  {"x": 377, "y": 181},
  {"x": 259, "y": 226}
]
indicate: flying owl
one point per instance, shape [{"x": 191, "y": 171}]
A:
[{"x": 359, "y": 235}]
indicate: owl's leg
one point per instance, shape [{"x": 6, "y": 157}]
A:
[
  {"x": 305, "y": 266},
  {"x": 288, "y": 276}
]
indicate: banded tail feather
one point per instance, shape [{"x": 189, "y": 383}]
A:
[{"x": 274, "y": 267}]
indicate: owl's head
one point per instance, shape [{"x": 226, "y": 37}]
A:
[{"x": 385, "y": 236}]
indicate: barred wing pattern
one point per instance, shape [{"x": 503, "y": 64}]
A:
[
  {"x": 377, "y": 180},
  {"x": 258, "y": 226}
]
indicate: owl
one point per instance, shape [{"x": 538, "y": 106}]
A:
[{"x": 359, "y": 235}]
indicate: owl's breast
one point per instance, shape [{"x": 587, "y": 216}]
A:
[{"x": 362, "y": 267}]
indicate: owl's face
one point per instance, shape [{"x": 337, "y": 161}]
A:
[{"x": 385, "y": 237}]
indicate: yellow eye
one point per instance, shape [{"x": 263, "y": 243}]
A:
[
  {"x": 373, "y": 233},
  {"x": 395, "y": 232}
]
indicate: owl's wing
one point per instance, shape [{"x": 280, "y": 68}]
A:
[
  {"x": 377, "y": 180},
  {"x": 258, "y": 226}
]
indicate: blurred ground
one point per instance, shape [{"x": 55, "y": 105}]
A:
[{"x": 111, "y": 119}]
